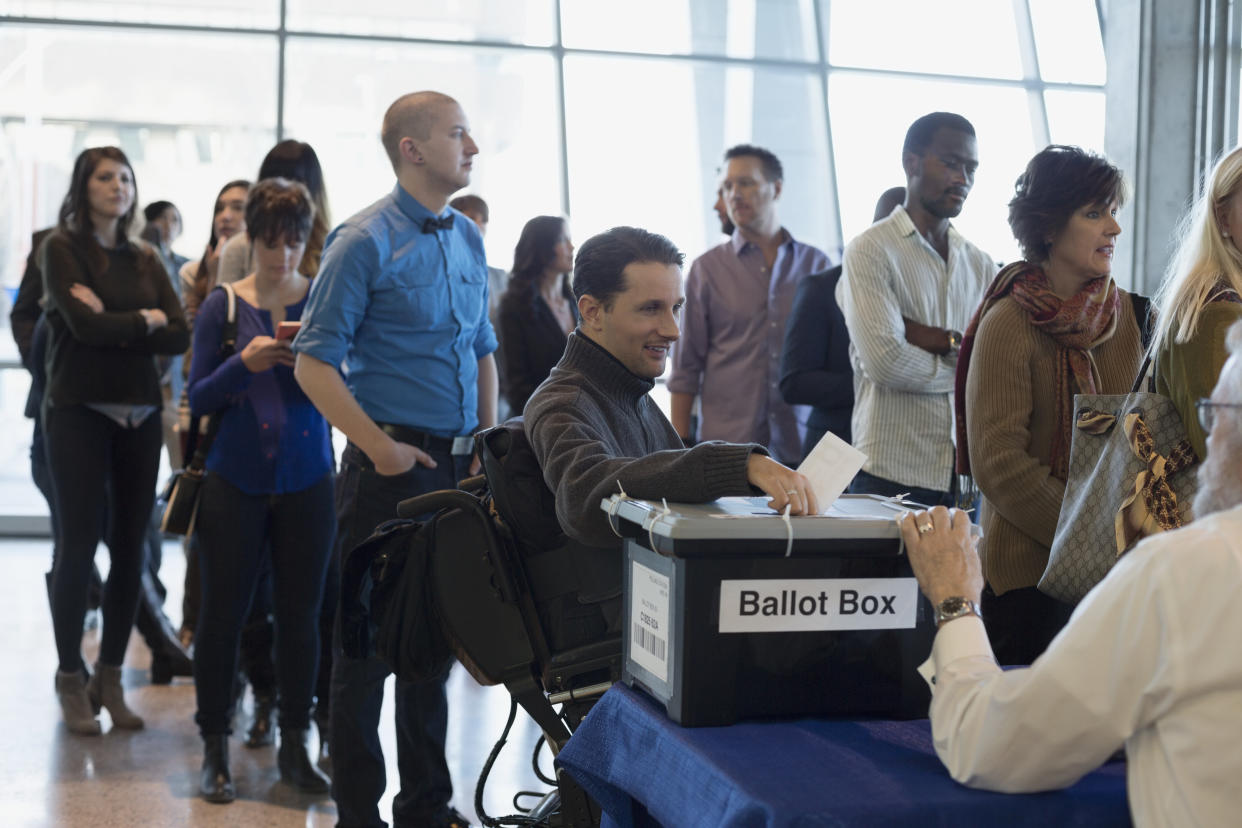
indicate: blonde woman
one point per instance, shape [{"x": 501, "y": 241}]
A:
[{"x": 1201, "y": 296}]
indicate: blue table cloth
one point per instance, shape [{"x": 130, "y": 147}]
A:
[{"x": 645, "y": 770}]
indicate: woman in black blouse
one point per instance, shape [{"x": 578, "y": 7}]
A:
[
  {"x": 538, "y": 310},
  {"x": 110, "y": 308}
]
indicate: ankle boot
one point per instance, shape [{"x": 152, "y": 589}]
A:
[
  {"x": 295, "y": 765},
  {"x": 75, "y": 703},
  {"x": 105, "y": 691},
  {"x": 215, "y": 782},
  {"x": 261, "y": 733},
  {"x": 168, "y": 657}
]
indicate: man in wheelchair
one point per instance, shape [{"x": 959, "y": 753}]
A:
[{"x": 592, "y": 423}]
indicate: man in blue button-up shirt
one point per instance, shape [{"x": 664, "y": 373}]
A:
[{"x": 401, "y": 302}]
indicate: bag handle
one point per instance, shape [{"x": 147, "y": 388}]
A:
[
  {"x": 228, "y": 345},
  {"x": 1142, "y": 375}
]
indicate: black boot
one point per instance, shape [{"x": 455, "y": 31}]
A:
[
  {"x": 168, "y": 657},
  {"x": 261, "y": 733},
  {"x": 295, "y": 765},
  {"x": 215, "y": 782}
]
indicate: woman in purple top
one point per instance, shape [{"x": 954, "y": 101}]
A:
[{"x": 268, "y": 490}]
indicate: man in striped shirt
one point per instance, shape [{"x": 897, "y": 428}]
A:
[
  {"x": 909, "y": 285},
  {"x": 738, "y": 298}
]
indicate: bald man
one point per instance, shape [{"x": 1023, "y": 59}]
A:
[{"x": 401, "y": 302}]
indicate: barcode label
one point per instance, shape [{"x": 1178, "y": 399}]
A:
[
  {"x": 649, "y": 641},
  {"x": 649, "y": 620}
]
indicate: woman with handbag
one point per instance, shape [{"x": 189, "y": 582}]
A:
[
  {"x": 1049, "y": 327},
  {"x": 110, "y": 309},
  {"x": 267, "y": 493},
  {"x": 1201, "y": 296}
]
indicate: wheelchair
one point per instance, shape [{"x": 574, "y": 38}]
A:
[{"x": 523, "y": 605}]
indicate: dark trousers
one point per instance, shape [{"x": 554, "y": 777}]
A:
[
  {"x": 234, "y": 529},
  {"x": 364, "y": 500},
  {"x": 99, "y": 468},
  {"x": 1021, "y": 623},
  {"x": 865, "y": 483}
]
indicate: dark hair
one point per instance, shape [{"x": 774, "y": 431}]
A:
[
  {"x": 471, "y": 204},
  {"x": 278, "y": 209},
  {"x": 297, "y": 161},
  {"x": 535, "y": 250},
  {"x": 772, "y": 169},
  {"x": 75, "y": 211},
  {"x": 156, "y": 209},
  {"x": 200, "y": 278},
  {"x": 923, "y": 131},
  {"x": 1056, "y": 182},
  {"x": 601, "y": 261}
]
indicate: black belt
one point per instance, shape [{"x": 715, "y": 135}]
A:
[{"x": 416, "y": 438}]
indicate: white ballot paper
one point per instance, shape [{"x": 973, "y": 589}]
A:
[{"x": 830, "y": 467}]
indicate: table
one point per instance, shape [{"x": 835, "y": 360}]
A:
[{"x": 645, "y": 770}]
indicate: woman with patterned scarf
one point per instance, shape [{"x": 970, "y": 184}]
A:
[{"x": 1049, "y": 327}]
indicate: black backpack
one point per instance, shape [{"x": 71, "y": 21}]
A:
[{"x": 387, "y": 606}]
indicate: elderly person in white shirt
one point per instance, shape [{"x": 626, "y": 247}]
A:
[{"x": 1149, "y": 660}]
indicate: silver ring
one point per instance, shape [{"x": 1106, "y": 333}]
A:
[
  {"x": 792, "y": 492},
  {"x": 926, "y": 527}
]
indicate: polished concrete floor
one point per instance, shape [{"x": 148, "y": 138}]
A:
[{"x": 51, "y": 777}]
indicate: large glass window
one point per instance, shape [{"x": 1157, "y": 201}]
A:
[
  {"x": 242, "y": 14},
  {"x": 735, "y": 28},
  {"x": 653, "y": 160},
  {"x": 1067, "y": 39},
  {"x": 976, "y": 38},
  {"x": 504, "y": 21},
  {"x": 338, "y": 91}
]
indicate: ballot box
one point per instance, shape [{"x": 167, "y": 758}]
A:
[{"x": 734, "y": 612}]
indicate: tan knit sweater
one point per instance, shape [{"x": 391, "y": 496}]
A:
[{"x": 1010, "y": 417}]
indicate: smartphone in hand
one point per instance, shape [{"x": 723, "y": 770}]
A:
[{"x": 287, "y": 330}]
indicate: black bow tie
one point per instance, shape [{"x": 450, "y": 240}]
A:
[{"x": 433, "y": 224}]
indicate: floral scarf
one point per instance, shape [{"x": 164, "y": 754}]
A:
[{"x": 1077, "y": 324}]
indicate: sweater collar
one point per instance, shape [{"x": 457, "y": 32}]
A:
[{"x": 605, "y": 370}]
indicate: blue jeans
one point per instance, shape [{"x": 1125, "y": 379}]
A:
[{"x": 365, "y": 499}]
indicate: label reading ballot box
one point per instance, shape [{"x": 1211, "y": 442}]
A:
[
  {"x": 809, "y": 605},
  {"x": 649, "y": 614}
]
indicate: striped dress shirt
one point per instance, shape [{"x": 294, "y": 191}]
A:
[
  {"x": 731, "y": 339},
  {"x": 903, "y": 395}
]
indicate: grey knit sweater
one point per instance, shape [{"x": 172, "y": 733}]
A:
[{"x": 593, "y": 424}]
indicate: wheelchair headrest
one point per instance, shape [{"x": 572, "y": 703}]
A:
[{"x": 519, "y": 493}]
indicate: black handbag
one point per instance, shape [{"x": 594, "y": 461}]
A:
[{"x": 181, "y": 496}]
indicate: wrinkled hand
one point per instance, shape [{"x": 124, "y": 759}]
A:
[
  {"x": 782, "y": 484},
  {"x": 86, "y": 296},
  {"x": 930, "y": 339},
  {"x": 944, "y": 560},
  {"x": 264, "y": 352},
  {"x": 399, "y": 458}
]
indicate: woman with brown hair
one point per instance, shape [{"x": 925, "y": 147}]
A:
[
  {"x": 1049, "y": 327},
  {"x": 110, "y": 308},
  {"x": 538, "y": 310}
]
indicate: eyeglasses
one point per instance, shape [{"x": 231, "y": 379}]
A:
[{"x": 1207, "y": 412}]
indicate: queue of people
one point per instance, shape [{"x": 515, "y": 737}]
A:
[{"x": 955, "y": 378}]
